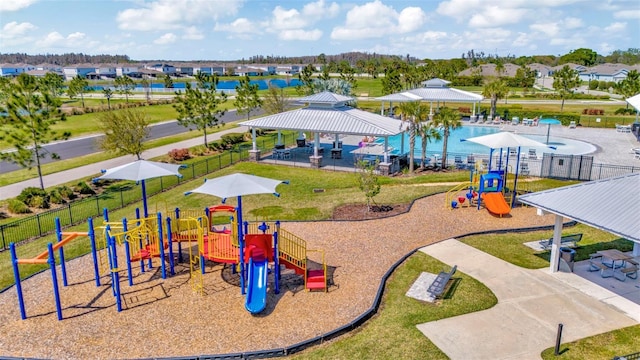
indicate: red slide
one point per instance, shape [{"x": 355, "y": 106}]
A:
[{"x": 495, "y": 203}]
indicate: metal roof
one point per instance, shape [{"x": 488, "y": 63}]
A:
[
  {"x": 433, "y": 94},
  {"x": 333, "y": 120},
  {"x": 325, "y": 97},
  {"x": 612, "y": 204}
]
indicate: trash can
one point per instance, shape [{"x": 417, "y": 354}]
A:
[{"x": 567, "y": 257}]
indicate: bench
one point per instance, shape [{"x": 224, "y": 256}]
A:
[
  {"x": 595, "y": 264},
  {"x": 436, "y": 289},
  {"x": 630, "y": 271},
  {"x": 567, "y": 239}
]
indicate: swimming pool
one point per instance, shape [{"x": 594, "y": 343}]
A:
[{"x": 455, "y": 146}]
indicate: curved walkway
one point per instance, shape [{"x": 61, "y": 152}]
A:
[{"x": 531, "y": 304}]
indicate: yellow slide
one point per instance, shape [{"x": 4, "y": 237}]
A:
[{"x": 495, "y": 203}]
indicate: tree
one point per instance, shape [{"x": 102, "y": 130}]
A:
[
  {"x": 448, "y": 120},
  {"x": 200, "y": 106},
  {"x": 275, "y": 100},
  {"x": 564, "y": 81},
  {"x": 414, "y": 114},
  {"x": 306, "y": 82},
  {"x": 124, "y": 131},
  {"x": 146, "y": 86},
  {"x": 31, "y": 113},
  {"x": 78, "y": 86},
  {"x": 247, "y": 98},
  {"x": 368, "y": 181},
  {"x": 168, "y": 82},
  {"x": 582, "y": 56},
  {"x": 337, "y": 86},
  {"x": 524, "y": 77},
  {"x": 427, "y": 133},
  {"x": 630, "y": 86},
  {"x": 391, "y": 81},
  {"x": 495, "y": 89},
  {"x": 53, "y": 84},
  {"x": 124, "y": 85},
  {"x": 108, "y": 93}
]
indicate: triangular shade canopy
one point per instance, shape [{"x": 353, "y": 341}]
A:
[
  {"x": 238, "y": 185},
  {"x": 634, "y": 101},
  {"x": 505, "y": 139},
  {"x": 141, "y": 170}
]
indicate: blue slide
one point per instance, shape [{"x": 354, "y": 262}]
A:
[{"x": 257, "y": 286}]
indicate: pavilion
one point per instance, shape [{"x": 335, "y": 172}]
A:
[
  {"x": 328, "y": 113},
  {"x": 611, "y": 204},
  {"x": 434, "y": 90}
]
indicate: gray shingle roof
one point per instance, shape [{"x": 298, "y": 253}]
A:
[{"x": 611, "y": 204}]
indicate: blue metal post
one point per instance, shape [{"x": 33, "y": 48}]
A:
[
  {"x": 16, "y": 275},
  {"x": 170, "y": 240},
  {"x": 163, "y": 266},
  {"x": 54, "y": 279},
  {"x": 515, "y": 181},
  {"x": 144, "y": 198},
  {"x": 110, "y": 253},
  {"x": 115, "y": 274},
  {"x": 127, "y": 252},
  {"x": 105, "y": 214},
  {"x": 241, "y": 243},
  {"x": 61, "y": 252},
  {"x": 94, "y": 251}
]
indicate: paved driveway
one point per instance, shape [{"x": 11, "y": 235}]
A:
[{"x": 531, "y": 304}]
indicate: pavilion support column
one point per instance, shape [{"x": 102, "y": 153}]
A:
[
  {"x": 254, "y": 141},
  {"x": 315, "y": 161},
  {"x": 636, "y": 249},
  {"x": 384, "y": 168},
  {"x": 254, "y": 155},
  {"x": 555, "y": 246}
]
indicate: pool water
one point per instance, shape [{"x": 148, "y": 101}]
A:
[{"x": 455, "y": 146}]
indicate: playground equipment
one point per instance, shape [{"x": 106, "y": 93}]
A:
[
  {"x": 48, "y": 257},
  {"x": 490, "y": 192}
]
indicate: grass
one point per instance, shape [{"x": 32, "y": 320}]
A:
[
  {"x": 603, "y": 346},
  {"x": 62, "y": 165},
  {"x": 392, "y": 333}
]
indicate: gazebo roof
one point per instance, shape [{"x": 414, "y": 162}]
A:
[
  {"x": 325, "y": 97},
  {"x": 333, "y": 120},
  {"x": 434, "y": 90},
  {"x": 612, "y": 204}
]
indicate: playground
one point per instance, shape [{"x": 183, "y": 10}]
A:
[{"x": 167, "y": 317}]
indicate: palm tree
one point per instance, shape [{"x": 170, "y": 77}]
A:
[
  {"x": 495, "y": 89},
  {"x": 428, "y": 133},
  {"x": 108, "y": 93},
  {"x": 449, "y": 120},
  {"x": 414, "y": 114}
]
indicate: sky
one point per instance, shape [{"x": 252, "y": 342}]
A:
[{"x": 183, "y": 30}]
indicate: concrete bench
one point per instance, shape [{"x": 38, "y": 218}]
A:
[
  {"x": 572, "y": 239},
  {"x": 630, "y": 271},
  {"x": 595, "y": 264},
  {"x": 436, "y": 289}
]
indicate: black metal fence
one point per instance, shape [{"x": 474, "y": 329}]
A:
[{"x": 77, "y": 212}]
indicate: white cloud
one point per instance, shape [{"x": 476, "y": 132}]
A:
[
  {"x": 374, "y": 19},
  {"x": 77, "y": 41},
  {"x": 627, "y": 14},
  {"x": 14, "y": 30},
  {"x": 192, "y": 33},
  {"x": 241, "y": 29},
  {"x": 14, "y": 5},
  {"x": 174, "y": 14},
  {"x": 165, "y": 39},
  {"x": 573, "y": 23},
  {"x": 549, "y": 29},
  {"x": 615, "y": 28},
  {"x": 287, "y": 19},
  {"x": 298, "y": 34},
  {"x": 493, "y": 16},
  {"x": 319, "y": 10}
]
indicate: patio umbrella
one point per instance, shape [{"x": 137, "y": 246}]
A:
[
  {"x": 140, "y": 171},
  {"x": 549, "y": 122},
  {"x": 238, "y": 185},
  {"x": 505, "y": 139}
]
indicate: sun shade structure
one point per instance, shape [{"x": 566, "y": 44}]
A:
[
  {"x": 238, "y": 185},
  {"x": 502, "y": 140},
  {"x": 141, "y": 170},
  {"x": 634, "y": 101},
  {"x": 612, "y": 205},
  {"x": 434, "y": 90},
  {"x": 549, "y": 122},
  {"x": 330, "y": 113}
]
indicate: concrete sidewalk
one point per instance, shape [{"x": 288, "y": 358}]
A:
[
  {"x": 531, "y": 304},
  {"x": 55, "y": 179}
]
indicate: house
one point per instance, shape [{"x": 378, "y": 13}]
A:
[
  {"x": 15, "y": 69},
  {"x": 126, "y": 69},
  {"x": 606, "y": 72},
  {"x": 162, "y": 67},
  {"x": 81, "y": 70}
]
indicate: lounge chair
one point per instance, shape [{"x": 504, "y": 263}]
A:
[
  {"x": 572, "y": 125},
  {"x": 471, "y": 161},
  {"x": 515, "y": 120},
  {"x": 524, "y": 168},
  {"x": 532, "y": 154},
  {"x": 457, "y": 161}
]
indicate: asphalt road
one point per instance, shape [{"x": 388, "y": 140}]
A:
[{"x": 86, "y": 145}]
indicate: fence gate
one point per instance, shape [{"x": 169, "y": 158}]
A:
[{"x": 568, "y": 167}]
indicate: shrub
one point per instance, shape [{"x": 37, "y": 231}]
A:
[
  {"x": 56, "y": 197},
  {"x": 625, "y": 111},
  {"x": 217, "y": 145},
  {"x": 34, "y": 197},
  {"x": 83, "y": 188},
  {"x": 592, "y": 112},
  {"x": 179, "y": 154},
  {"x": 18, "y": 207},
  {"x": 232, "y": 139}
]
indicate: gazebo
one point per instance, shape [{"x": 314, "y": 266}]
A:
[
  {"x": 434, "y": 90},
  {"x": 328, "y": 113},
  {"x": 612, "y": 205}
]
